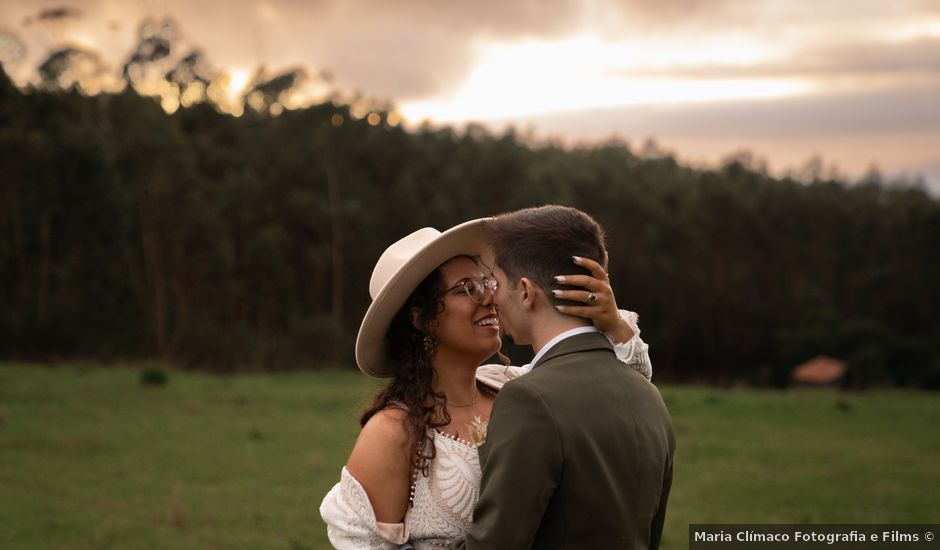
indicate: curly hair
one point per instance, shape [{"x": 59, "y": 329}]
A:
[{"x": 412, "y": 385}]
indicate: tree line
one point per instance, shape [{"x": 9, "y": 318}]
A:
[{"x": 233, "y": 243}]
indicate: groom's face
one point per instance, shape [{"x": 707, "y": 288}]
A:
[{"x": 506, "y": 302}]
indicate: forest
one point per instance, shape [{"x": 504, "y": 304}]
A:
[{"x": 228, "y": 243}]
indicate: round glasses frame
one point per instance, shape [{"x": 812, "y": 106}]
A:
[{"x": 475, "y": 289}]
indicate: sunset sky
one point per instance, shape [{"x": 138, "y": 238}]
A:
[{"x": 856, "y": 82}]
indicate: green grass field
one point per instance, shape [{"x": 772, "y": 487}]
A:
[{"x": 90, "y": 458}]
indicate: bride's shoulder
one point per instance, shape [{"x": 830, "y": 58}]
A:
[
  {"x": 380, "y": 461},
  {"x": 384, "y": 431}
]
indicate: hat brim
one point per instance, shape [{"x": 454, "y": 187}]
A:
[{"x": 468, "y": 238}]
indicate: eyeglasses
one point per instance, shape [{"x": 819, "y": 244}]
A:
[{"x": 475, "y": 288}]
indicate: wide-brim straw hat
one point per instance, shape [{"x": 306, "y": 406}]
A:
[{"x": 399, "y": 271}]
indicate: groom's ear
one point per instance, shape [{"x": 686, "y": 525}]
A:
[
  {"x": 528, "y": 292},
  {"x": 604, "y": 263}
]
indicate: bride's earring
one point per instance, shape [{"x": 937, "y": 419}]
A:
[{"x": 430, "y": 343}]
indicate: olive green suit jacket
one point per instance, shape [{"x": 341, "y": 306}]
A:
[{"x": 578, "y": 454}]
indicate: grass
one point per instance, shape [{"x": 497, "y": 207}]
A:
[{"x": 90, "y": 458}]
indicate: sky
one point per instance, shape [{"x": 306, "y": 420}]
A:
[{"x": 855, "y": 83}]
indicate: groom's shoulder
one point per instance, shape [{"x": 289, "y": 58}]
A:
[{"x": 562, "y": 373}]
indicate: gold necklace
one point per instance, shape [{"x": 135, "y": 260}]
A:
[{"x": 474, "y": 401}]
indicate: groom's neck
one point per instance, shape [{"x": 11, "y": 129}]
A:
[{"x": 549, "y": 324}]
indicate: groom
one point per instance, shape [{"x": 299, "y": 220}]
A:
[{"x": 579, "y": 451}]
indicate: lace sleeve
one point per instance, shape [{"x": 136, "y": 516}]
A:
[
  {"x": 350, "y": 520},
  {"x": 494, "y": 376},
  {"x": 634, "y": 352}
]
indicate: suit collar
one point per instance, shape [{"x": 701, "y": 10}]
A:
[
  {"x": 558, "y": 338},
  {"x": 575, "y": 344}
]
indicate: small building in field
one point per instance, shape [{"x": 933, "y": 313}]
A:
[{"x": 821, "y": 370}]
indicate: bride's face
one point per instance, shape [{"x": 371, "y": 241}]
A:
[{"x": 464, "y": 326}]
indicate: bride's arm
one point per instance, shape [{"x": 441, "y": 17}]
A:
[
  {"x": 620, "y": 326},
  {"x": 366, "y": 509},
  {"x": 634, "y": 352}
]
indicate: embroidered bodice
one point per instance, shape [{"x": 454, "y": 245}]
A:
[{"x": 443, "y": 501}]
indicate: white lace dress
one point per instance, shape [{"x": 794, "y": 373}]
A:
[{"x": 442, "y": 502}]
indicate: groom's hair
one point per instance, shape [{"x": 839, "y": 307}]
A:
[{"x": 539, "y": 243}]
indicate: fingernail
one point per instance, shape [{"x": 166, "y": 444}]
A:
[
  {"x": 577, "y": 259},
  {"x": 555, "y": 293},
  {"x": 560, "y": 308},
  {"x": 559, "y": 278}
]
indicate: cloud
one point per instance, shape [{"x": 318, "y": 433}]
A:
[
  {"x": 386, "y": 64},
  {"x": 885, "y": 112},
  {"x": 864, "y": 59},
  {"x": 897, "y": 129},
  {"x": 681, "y": 12},
  {"x": 411, "y": 49},
  {"x": 494, "y": 18},
  {"x": 722, "y": 15},
  {"x": 399, "y": 50},
  {"x": 418, "y": 48}
]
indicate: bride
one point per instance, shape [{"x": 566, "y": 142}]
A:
[{"x": 413, "y": 476}]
